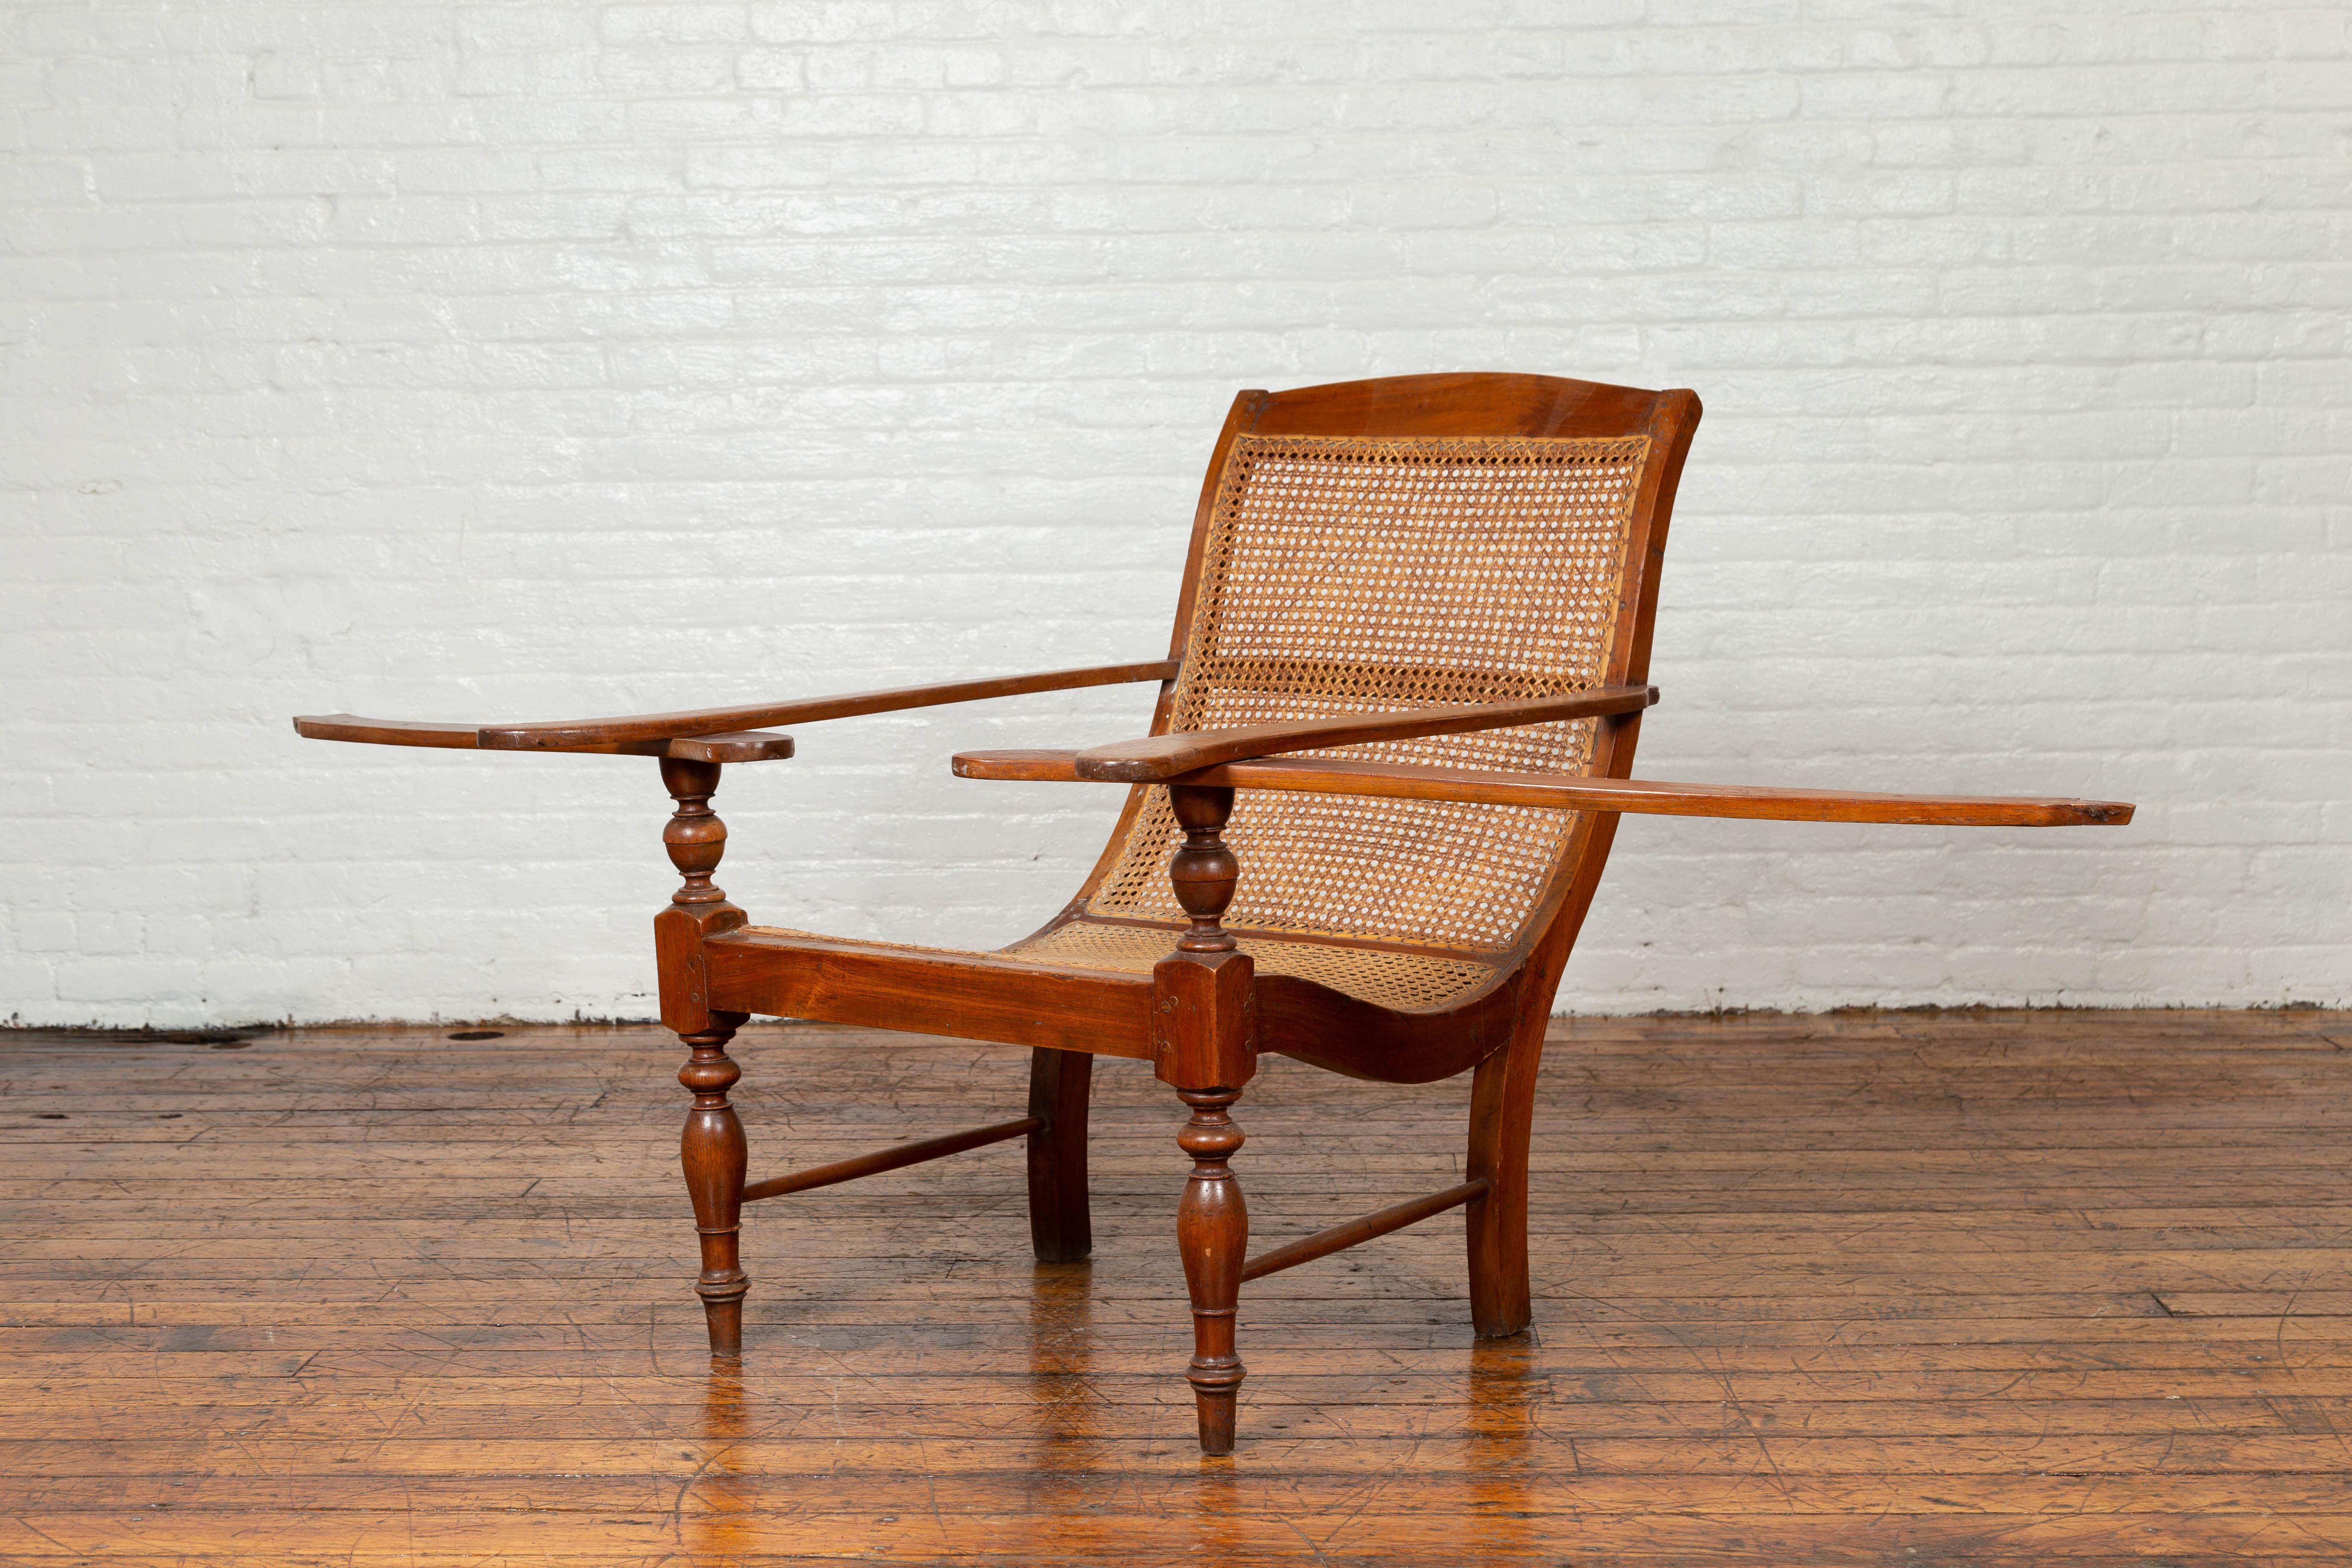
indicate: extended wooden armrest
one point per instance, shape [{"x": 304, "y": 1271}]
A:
[
  {"x": 712, "y": 734},
  {"x": 1157, "y": 758},
  {"x": 1323, "y": 775},
  {"x": 739, "y": 746}
]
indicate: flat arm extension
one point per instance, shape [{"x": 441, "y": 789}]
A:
[
  {"x": 712, "y": 734},
  {"x": 1322, "y": 776},
  {"x": 741, "y": 746},
  {"x": 1158, "y": 758}
]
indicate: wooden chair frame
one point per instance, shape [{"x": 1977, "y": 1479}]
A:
[{"x": 1202, "y": 1014}]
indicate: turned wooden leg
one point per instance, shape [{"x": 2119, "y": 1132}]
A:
[
  {"x": 712, "y": 1147},
  {"x": 1212, "y": 1231},
  {"x": 1061, "y": 1226},
  {"x": 1204, "y": 1045},
  {"x": 713, "y": 1154},
  {"x": 1502, "y": 1116}
]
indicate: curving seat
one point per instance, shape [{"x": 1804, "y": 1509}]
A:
[{"x": 1383, "y": 974}]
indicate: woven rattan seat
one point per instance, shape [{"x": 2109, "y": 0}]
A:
[
  {"x": 1381, "y": 975},
  {"x": 1388, "y": 754},
  {"x": 1345, "y": 575}
]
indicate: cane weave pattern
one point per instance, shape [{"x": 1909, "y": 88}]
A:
[
  {"x": 1345, "y": 575},
  {"x": 1370, "y": 974}
]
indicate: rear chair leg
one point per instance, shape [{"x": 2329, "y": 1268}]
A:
[
  {"x": 1212, "y": 1232},
  {"x": 713, "y": 1154},
  {"x": 1502, "y": 1116},
  {"x": 1060, "y": 1225}
]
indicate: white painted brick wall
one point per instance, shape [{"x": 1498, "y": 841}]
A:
[{"x": 532, "y": 360}]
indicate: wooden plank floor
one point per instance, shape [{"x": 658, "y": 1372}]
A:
[{"x": 1882, "y": 1289}]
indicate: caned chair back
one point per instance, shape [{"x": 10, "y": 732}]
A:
[{"x": 1431, "y": 540}]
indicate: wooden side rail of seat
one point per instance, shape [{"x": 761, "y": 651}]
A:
[
  {"x": 890, "y": 1159},
  {"x": 1339, "y": 1237}
]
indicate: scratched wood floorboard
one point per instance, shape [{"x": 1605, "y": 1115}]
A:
[{"x": 1985, "y": 1288}]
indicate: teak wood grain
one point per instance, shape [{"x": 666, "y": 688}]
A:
[
  {"x": 1323, "y": 775},
  {"x": 690, "y": 733},
  {"x": 1823, "y": 1291},
  {"x": 741, "y": 746},
  {"x": 1158, "y": 758},
  {"x": 1333, "y": 605}
]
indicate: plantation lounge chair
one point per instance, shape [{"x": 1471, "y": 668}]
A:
[{"x": 1394, "y": 730}]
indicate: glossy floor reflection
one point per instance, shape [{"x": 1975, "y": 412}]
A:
[
  {"x": 1978, "y": 1288},
  {"x": 719, "y": 1508}
]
